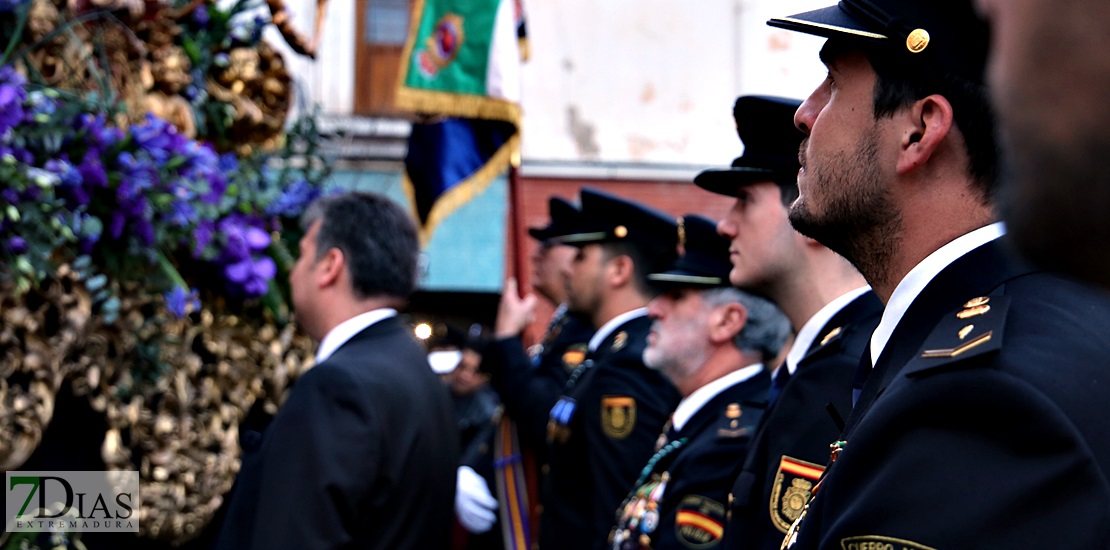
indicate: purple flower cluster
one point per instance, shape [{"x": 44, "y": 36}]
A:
[
  {"x": 293, "y": 199},
  {"x": 245, "y": 266},
  {"x": 12, "y": 96},
  {"x": 77, "y": 185}
]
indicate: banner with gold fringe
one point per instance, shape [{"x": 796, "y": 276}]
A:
[{"x": 460, "y": 70}]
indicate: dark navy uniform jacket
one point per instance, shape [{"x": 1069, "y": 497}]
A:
[
  {"x": 689, "y": 512},
  {"x": 529, "y": 387},
  {"x": 620, "y": 407},
  {"x": 983, "y": 424},
  {"x": 791, "y": 446}
]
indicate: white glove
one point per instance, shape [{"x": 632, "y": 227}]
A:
[{"x": 474, "y": 505}]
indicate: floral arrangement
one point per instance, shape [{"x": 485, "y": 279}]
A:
[{"x": 151, "y": 194}]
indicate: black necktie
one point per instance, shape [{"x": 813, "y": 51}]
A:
[
  {"x": 782, "y": 376},
  {"x": 863, "y": 370}
]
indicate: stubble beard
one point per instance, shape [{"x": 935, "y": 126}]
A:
[{"x": 860, "y": 222}]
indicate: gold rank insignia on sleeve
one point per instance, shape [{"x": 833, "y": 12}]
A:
[
  {"x": 618, "y": 415},
  {"x": 875, "y": 541}
]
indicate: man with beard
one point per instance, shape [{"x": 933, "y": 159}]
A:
[
  {"x": 712, "y": 341},
  {"x": 827, "y": 302},
  {"x": 605, "y": 425},
  {"x": 982, "y": 420},
  {"x": 1050, "y": 81}
]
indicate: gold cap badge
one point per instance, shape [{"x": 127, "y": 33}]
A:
[
  {"x": 620, "y": 231},
  {"x": 917, "y": 41}
]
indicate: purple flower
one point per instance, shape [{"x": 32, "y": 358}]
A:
[
  {"x": 16, "y": 245},
  {"x": 251, "y": 276},
  {"x": 92, "y": 172},
  {"x": 178, "y": 302},
  {"x": 293, "y": 199},
  {"x": 200, "y": 15}
]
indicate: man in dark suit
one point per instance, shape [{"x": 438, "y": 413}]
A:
[
  {"x": 712, "y": 341},
  {"x": 604, "y": 426},
  {"x": 982, "y": 422},
  {"x": 363, "y": 452},
  {"x": 832, "y": 311}
]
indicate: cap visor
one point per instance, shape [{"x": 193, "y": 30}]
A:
[
  {"x": 830, "y": 22},
  {"x": 684, "y": 279},
  {"x": 726, "y": 181}
]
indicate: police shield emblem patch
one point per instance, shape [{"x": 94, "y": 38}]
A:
[
  {"x": 618, "y": 415},
  {"x": 700, "y": 522},
  {"x": 791, "y": 491}
]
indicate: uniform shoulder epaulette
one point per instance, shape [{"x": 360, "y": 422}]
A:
[
  {"x": 974, "y": 330},
  {"x": 739, "y": 420}
]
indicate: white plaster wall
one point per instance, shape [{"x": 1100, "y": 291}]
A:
[
  {"x": 616, "y": 81},
  {"x": 653, "y": 81}
]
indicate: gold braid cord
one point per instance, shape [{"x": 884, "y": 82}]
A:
[{"x": 178, "y": 428}]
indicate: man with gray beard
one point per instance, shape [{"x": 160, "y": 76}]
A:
[{"x": 712, "y": 341}]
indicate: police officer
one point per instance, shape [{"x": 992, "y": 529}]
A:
[
  {"x": 529, "y": 382},
  {"x": 712, "y": 341},
  {"x": 604, "y": 427},
  {"x": 982, "y": 420},
  {"x": 828, "y": 303}
]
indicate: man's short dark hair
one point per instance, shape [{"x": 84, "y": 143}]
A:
[
  {"x": 377, "y": 238},
  {"x": 900, "y": 83}
]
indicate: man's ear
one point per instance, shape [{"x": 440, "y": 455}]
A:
[
  {"x": 620, "y": 271},
  {"x": 726, "y": 322},
  {"x": 927, "y": 123},
  {"x": 331, "y": 267}
]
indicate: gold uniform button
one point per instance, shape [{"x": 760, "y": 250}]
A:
[
  {"x": 620, "y": 232},
  {"x": 917, "y": 41},
  {"x": 545, "y": 469}
]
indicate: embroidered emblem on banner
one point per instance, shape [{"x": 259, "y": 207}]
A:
[
  {"x": 792, "y": 490},
  {"x": 700, "y": 522},
  {"x": 618, "y": 415},
  {"x": 442, "y": 47}
]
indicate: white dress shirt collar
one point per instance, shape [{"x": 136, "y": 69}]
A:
[
  {"x": 607, "y": 329},
  {"x": 919, "y": 277},
  {"x": 346, "y": 330},
  {"x": 692, "y": 403},
  {"x": 809, "y": 332}
]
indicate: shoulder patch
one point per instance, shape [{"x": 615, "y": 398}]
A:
[
  {"x": 700, "y": 522},
  {"x": 792, "y": 490},
  {"x": 869, "y": 542},
  {"x": 969, "y": 332},
  {"x": 618, "y": 415}
]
